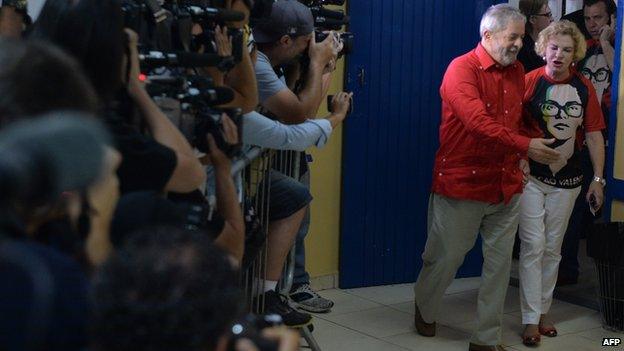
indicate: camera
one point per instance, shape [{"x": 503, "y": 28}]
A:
[
  {"x": 250, "y": 326},
  {"x": 346, "y": 38},
  {"x": 198, "y": 97}
]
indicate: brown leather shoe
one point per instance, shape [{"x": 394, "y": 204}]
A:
[
  {"x": 475, "y": 347},
  {"x": 423, "y": 328}
]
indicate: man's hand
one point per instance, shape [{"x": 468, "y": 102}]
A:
[
  {"x": 230, "y": 134},
  {"x": 341, "y": 102},
  {"x": 223, "y": 42},
  {"x": 133, "y": 76},
  {"x": 340, "y": 105},
  {"x": 322, "y": 53},
  {"x": 540, "y": 152},
  {"x": 525, "y": 169},
  {"x": 607, "y": 32},
  {"x": 596, "y": 192}
]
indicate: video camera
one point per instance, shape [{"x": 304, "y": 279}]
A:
[
  {"x": 168, "y": 28},
  {"x": 326, "y": 20},
  {"x": 170, "y": 44},
  {"x": 198, "y": 97}
]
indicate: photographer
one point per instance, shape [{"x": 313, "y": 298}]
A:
[
  {"x": 241, "y": 78},
  {"x": 45, "y": 292},
  {"x": 92, "y": 31},
  {"x": 76, "y": 223},
  {"x": 170, "y": 289},
  {"x": 57, "y": 78},
  {"x": 282, "y": 38}
]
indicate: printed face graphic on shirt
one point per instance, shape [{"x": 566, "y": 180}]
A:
[
  {"x": 597, "y": 70},
  {"x": 563, "y": 113}
]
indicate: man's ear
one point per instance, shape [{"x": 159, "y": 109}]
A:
[
  {"x": 285, "y": 40},
  {"x": 487, "y": 35}
]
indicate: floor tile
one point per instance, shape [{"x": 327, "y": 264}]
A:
[
  {"x": 377, "y": 322},
  {"x": 512, "y": 329},
  {"x": 571, "y": 342},
  {"x": 346, "y": 303},
  {"x": 331, "y": 336},
  {"x": 598, "y": 334},
  {"x": 385, "y": 295},
  {"x": 381, "y": 319},
  {"x": 446, "y": 339},
  {"x": 453, "y": 310},
  {"x": 569, "y": 318}
]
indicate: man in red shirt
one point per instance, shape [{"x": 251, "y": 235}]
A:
[{"x": 478, "y": 174}]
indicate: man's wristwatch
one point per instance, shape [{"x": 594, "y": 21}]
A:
[{"x": 600, "y": 180}]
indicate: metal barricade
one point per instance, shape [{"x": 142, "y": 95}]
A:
[
  {"x": 254, "y": 168},
  {"x": 290, "y": 163}
]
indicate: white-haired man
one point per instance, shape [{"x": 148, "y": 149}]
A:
[{"x": 479, "y": 171}]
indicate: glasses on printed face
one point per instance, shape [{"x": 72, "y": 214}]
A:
[
  {"x": 547, "y": 14},
  {"x": 552, "y": 109},
  {"x": 601, "y": 75}
]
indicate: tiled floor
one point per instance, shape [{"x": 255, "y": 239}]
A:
[{"x": 381, "y": 319}]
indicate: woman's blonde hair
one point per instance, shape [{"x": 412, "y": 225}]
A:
[{"x": 562, "y": 27}]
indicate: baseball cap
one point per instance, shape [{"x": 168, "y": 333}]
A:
[{"x": 288, "y": 17}]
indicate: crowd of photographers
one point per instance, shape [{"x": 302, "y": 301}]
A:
[{"x": 120, "y": 224}]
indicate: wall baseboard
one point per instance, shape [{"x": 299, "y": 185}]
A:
[{"x": 324, "y": 282}]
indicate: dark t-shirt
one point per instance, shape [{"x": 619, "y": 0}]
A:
[
  {"x": 43, "y": 298},
  {"x": 578, "y": 18},
  {"x": 527, "y": 55},
  {"x": 564, "y": 110},
  {"x": 146, "y": 164}
]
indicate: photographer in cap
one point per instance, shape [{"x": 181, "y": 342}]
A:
[{"x": 281, "y": 38}]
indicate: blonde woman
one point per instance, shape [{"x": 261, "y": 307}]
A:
[{"x": 559, "y": 104}]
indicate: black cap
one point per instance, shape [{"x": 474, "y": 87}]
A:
[{"x": 288, "y": 17}]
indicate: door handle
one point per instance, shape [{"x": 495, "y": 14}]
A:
[{"x": 361, "y": 76}]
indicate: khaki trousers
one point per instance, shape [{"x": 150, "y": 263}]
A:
[{"x": 453, "y": 226}]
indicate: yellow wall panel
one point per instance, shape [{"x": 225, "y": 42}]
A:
[
  {"x": 322, "y": 243},
  {"x": 617, "y": 211}
]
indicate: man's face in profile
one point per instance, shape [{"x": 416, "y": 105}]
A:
[{"x": 506, "y": 43}]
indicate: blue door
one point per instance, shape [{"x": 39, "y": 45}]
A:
[
  {"x": 401, "y": 51},
  {"x": 615, "y": 186}
]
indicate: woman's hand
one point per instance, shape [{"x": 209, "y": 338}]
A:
[{"x": 595, "y": 195}]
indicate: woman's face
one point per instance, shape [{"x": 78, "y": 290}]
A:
[{"x": 559, "y": 55}]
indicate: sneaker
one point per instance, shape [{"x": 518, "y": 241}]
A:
[
  {"x": 309, "y": 300},
  {"x": 278, "y": 304}
]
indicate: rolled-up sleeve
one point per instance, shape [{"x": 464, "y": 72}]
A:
[{"x": 264, "y": 132}]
